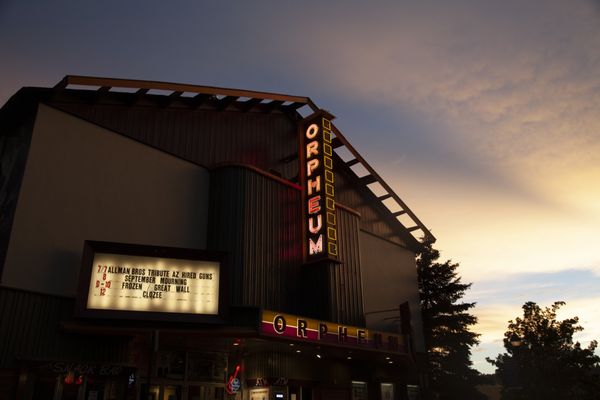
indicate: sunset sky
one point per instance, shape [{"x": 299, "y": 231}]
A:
[{"x": 482, "y": 115}]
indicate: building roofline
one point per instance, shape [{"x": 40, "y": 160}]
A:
[
  {"x": 245, "y": 100},
  {"x": 411, "y": 223},
  {"x": 177, "y": 89}
]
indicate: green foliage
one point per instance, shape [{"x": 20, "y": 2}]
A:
[
  {"x": 547, "y": 364},
  {"x": 446, "y": 326}
]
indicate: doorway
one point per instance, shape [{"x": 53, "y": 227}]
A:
[{"x": 183, "y": 391}]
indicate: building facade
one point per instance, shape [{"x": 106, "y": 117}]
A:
[{"x": 168, "y": 241}]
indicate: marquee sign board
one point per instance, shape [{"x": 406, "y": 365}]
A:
[
  {"x": 318, "y": 187},
  {"x": 287, "y": 326},
  {"x": 150, "y": 282}
]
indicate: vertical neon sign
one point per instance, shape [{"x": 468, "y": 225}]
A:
[{"x": 318, "y": 183}]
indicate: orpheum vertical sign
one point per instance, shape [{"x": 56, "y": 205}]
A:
[{"x": 316, "y": 174}]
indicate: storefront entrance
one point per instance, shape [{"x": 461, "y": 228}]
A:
[
  {"x": 185, "y": 374},
  {"x": 61, "y": 380},
  {"x": 179, "y": 391}
]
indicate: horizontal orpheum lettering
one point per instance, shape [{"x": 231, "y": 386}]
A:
[{"x": 305, "y": 329}]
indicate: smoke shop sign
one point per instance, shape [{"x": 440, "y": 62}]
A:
[
  {"x": 274, "y": 324},
  {"x": 151, "y": 284},
  {"x": 316, "y": 170}
]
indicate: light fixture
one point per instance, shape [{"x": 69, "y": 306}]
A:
[
  {"x": 297, "y": 351},
  {"x": 291, "y": 344},
  {"x": 387, "y": 358},
  {"x": 349, "y": 358},
  {"x": 390, "y": 362},
  {"x": 318, "y": 356}
]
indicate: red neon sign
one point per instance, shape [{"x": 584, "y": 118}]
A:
[{"x": 233, "y": 384}]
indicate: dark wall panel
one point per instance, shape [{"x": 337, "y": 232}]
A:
[
  {"x": 257, "y": 219},
  {"x": 15, "y": 138},
  {"x": 345, "y": 278},
  {"x": 390, "y": 279},
  {"x": 30, "y": 329},
  {"x": 278, "y": 364},
  {"x": 206, "y": 137},
  {"x": 85, "y": 182}
]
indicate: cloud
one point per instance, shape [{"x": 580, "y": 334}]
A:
[{"x": 511, "y": 89}]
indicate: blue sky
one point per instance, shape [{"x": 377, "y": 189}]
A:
[{"x": 483, "y": 115}]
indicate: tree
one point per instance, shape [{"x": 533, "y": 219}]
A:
[
  {"x": 543, "y": 362},
  {"x": 446, "y": 326}
]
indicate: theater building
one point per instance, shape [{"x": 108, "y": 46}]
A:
[{"x": 167, "y": 241}]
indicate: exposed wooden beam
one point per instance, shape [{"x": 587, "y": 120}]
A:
[
  {"x": 202, "y": 96},
  {"x": 336, "y": 142},
  {"x": 398, "y": 213},
  {"x": 226, "y": 102},
  {"x": 133, "y": 83},
  {"x": 296, "y": 105},
  {"x": 384, "y": 197},
  {"x": 352, "y": 162},
  {"x": 249, "y": 104},
  {"x": 135, "y": 97},
  {"x": 62, "y": 84},
  {"x": 312, "y": 105},
  {"x": 199, "y": 99},
  {"x": 367, "y": 179},
  {"x": 270, "y": 106}
]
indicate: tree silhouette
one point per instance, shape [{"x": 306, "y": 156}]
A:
[
  {"x": 543, "y": 362},
  {"x": 446, "y": 326}
]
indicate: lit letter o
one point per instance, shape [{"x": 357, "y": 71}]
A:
[
  {"x": 279, "y": 324},
  {"x": 312, "y": 131}
]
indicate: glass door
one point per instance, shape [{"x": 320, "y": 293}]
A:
[
  {"x": 162, "y": 392},
  {"x": 205, "y": 392},
  {"x": 172, "y": 392}
]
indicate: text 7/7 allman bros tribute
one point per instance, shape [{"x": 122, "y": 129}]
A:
[{"x": 137, "y": 283}]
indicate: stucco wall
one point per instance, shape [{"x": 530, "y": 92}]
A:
[
  {"x": 82, "y": 182},
  {"x": 389, "y": 278}
]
